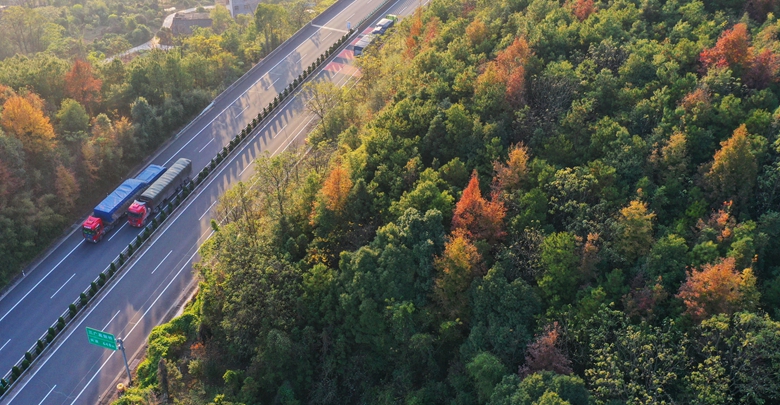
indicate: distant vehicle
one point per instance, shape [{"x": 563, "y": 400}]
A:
[
  {"x": 392, "y": 17},
  {"x": 158, "y": 194},
  {"x": 362, "y": 44},
  {"x": 382, "y": 26},
  {"x": 107, "y": 214}
]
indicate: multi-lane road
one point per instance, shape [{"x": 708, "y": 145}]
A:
[{"x": 74, "y": 372}]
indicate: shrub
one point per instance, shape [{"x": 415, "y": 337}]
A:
[
  {"x": 39, "y": 345},
  {"x": 15, "y": 372},
  {"x": 129, "y": 250},
  {"x": 213, "y": 164},
  {"x": 50, "y": 335},
  {"x": 121, "y": 258},
  {"x": 112, "y": 267},
  {"x": 25, "y": 364},
  {"x": 148, "y": 232},
  {"x": 101, "y": 279},
  {"x": 93, "y": 287},
  {"x": 254, "y": 122},
  {"x": 84, "y": 299},
  {"x": 27, "y": 356},
  {"x": 60, "y": 323},
  {"x": 138, "y": 240},
  {"x": 163, "y": 215},
  {"x": 73, "y": 310}
]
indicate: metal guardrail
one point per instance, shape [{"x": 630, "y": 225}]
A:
[{"x": 48, "y": 338}]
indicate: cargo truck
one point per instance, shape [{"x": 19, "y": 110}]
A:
[
  {"x": 106, "y": 215},
  {"x": 158, "y": 194},
  {"x": 362, "y": 44}
]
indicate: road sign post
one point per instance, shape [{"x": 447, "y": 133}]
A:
[
  {"x": 109, "y": 341},
  {"x": 124, "y": 356}
]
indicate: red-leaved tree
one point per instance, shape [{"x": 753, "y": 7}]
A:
[
  {"x": 718, "y": 288},
  {"x": 82, "y": 85},
  {"x": 544, "y": 354},
  {"x": 732, "y": 50}
]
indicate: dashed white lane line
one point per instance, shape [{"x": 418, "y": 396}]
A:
[
  {"x": 138, "y": 322},
  {"x": 207, "y": 144},
  {"x": 109, "y": 321},
  {"x": 63, "y": 285},
  {"x": 241, "y": 112},
  {"x": 161, "y": 261},
  {"x": 47, "y": 394},
  {"x": 117, "y": 231},
  {"x": 41, "y": 280},
  {"x": 6, "y": 343},
  {"x": 207, "y": 211},
  {"x": 247, "y": 167}
]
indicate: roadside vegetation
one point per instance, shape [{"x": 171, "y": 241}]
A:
[
  {"x": 523, "y": 202},
  {"x": 72, "y": 125}
]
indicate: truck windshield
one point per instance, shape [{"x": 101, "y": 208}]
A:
[
  {"x": 88, "y": 233},
  {"x": 134, "y": 215}
]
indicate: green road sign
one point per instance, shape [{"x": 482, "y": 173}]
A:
[{"x": 102, "y": 339}]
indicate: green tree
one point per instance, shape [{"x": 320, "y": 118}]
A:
[
  {"x": 561, "y": 278},
  {"x": 73, "y": 121}
]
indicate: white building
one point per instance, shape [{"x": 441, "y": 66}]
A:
[{"x": 237, "y": 7}]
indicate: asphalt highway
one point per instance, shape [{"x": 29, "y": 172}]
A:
[
  {"x": 75, "y": 372},
  {"x": 30, "y": 307}
]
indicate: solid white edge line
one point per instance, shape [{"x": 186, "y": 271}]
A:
[
  {"x": 41, "y": 280},
  {"x": 63, "y": 285},
  {"x": 227, "y": 164},
  {"x": 161, "y": 261},
  {"x": 1, "y": 348},
  {"x": 138, "y": 322},
  {"x": 247, "y": 167},
  {"x": 346, "y": 7}
]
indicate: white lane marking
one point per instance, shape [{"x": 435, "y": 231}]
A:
[
  {"x": 252, "y": 86},
  {"x": 109, "y": 321},
  {"x": 6, "y": 343},
  {"x": 39, "y": 282},
  {"x": 169, "y": 225},
  {"x": 139, "y": 321},
  {"x": 402, "y": 10},
  {"x": 247, "y": 167},
  {"x": 294, "y": 137},
  {"x": 329, "y": 28},
  {"x": 161, "y": 261},
  {"x": 117, "y": 231},
  {"x": 303, "y": 56},
  {"x": 323, "y": 38},
  {"x": 47, "y": 395},
  {"x": 351, "y": 16},
  {"x": 242, "y": 111},
  {"x": 63, "y": 285},
  {"x": 207, "y": 144},
  {"x": 207, "y": 211},
  {"x": 272, "y": 83}
]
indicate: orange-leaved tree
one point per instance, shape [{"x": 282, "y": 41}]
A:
[
  {"x": 457, "y": 266},
  {"x": 718, "y": 288},
  {"x": 336, "y": 188},
  {"x": 82, "y": 85},
  {"x": 510, "y": 176},
  {"x": 477, "y": 217},
  {"x": 582, "y": 9},
  {"x": 27, "y": 123}
]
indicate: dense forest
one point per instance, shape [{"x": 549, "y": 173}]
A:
[
  {"x": 521, "y": 202},
  {"x": 72, "y": 123}
]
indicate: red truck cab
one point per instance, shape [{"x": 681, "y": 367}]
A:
[
  {"x": 137, "y": 214},
  {"x": 92, "y": 229}
]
